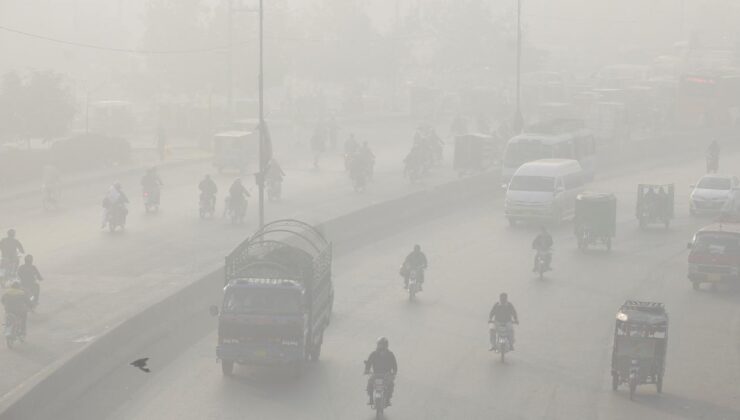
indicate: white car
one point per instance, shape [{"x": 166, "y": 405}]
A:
[{"x": 711, "y": 193}]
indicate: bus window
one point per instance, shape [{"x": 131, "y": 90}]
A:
[
  {"x": 522, "y": 152},
  {"x": 564, "y": 151}
]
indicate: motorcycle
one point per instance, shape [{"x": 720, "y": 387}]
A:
[
  {"x": 235, "y": 210},
  {"x": 50, "y": 202},
  {"x": 380, "y": 400},
  {"x": 712, "y": 164},
  {"x": 207, "y": 205},
  {"x": 542, "y": 262},
  {"x": 274, "y": 189},
  {"x": 414, "y": 285},
  {"x": 151, "y": 201},
  {"x": 33, "y": 291},
  {"x": 117, "y": 217},
  {"x": 500, "y": 336},
  {"x": 13, "y": 330}
]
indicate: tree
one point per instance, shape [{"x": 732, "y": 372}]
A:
[{"x": 37, "y": 106}]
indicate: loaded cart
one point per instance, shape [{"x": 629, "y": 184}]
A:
[
  {"x": 595, "y": 219},
  {"x": 640, "y": 343},
  {"x": 278, "y": 298},
  {"x": 655, "y": 204}
]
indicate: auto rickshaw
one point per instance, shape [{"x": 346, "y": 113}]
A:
[
  {"x": 640, "y": 342},
  {"x": 655, "y": 203},
  {"x": 595, "y": 219},
  {"x": 236, "y": 150}
]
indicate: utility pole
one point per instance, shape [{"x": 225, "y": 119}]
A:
[
  {"x": 230, "y": 59},
  {"x": 262, "y": 121},
  {"x": 518, "y": 119}
]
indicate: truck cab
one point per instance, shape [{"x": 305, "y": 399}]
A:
[{"x": 714, "y": 255}]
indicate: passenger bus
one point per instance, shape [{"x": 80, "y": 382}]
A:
[{"x": 564, "y": 139}]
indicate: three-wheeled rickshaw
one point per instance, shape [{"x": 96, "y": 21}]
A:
[
  {"x": 236, "y": 150},
  {"x": 655, "y": 204},
  {"x": 595, "y": 219},
  {"x": 640, "y": 341}
]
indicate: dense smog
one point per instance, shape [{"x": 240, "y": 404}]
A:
[{"x": 358, "y": 209}]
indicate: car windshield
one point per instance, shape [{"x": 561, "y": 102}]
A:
[
  {"x": 262, "y": 301},
  {"x": 717, "y": 243},
  {"x": 713, "y": 183},
  {"x": 532, "y": 183},
  {"x": 525, "y": 151}
]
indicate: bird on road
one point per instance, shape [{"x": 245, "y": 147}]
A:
[{"x": 141, "y": 364}]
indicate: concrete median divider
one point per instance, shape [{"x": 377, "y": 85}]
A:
[{"x": 53, "y": 389}]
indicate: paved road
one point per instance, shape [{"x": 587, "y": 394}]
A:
[
  {"x": 560, "y": 369},
  {"x": 95, "y": 279}
]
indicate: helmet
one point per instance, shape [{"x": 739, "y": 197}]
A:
[
  {"x": 28, "y": 259},
  {"x": 117, "y": 185},
  {"x": 11, "y": 233},
  {"x": 503, "y": 296},
  {"x": 417, "y": 247},
  {"x": 383, "y": 343}
]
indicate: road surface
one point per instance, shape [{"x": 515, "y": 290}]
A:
[{"x": 560, "y": 369}]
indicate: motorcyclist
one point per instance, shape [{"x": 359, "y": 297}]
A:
[
  {"x": 503, "y": 313},
  {"x": 350, "y": 150},
  {"x": 15, "y": 301},
  {"x": 713, "y": 157},
  {"x": 29, "y": 277},
  {"x": 237, "y": 194},
  {"x": 208, "y": 189},
  {"x": 114, "y": 200},
  {"x": 275, "y": 172},
  {"x": 151, "y": 183},
  {"x": 367, "y": 157},
  {"x": 382, "y": 362},
  {"x": 10, "y": 248},
  {"x": 416, "y": 260},
  {"x": 542, "y": 244},
  {"x": 651, "y": 200}
]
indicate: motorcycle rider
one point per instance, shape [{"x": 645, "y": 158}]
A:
[
  {"x": 151, "y": 183},
  {"x": 238, "y": 195},
  {"x": 30, "y": 277},
  {"x": 15, "y": 301},
  {"x": 275, "y": 173},
  {"x": 713, "y": 157},
  {"x": 503, "y": 313},
  {"x": 114, "y": 200},
  {"x": 208, "y": 190},
  {"x": 10, "y": 247},
  {"x": 350, "y": 149},
  {"x": 542, "y": 244},
  {"x": 367, "y": 157},
  {"x": 416, "y": 260},
  {"x": 382, "y": 362}
]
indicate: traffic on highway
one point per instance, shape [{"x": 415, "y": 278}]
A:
[{"x": 318, "y": 209}]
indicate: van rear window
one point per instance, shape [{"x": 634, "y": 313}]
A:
[
  {"x": 717, "y": 243},
  {"x": 532, "y": 183}
]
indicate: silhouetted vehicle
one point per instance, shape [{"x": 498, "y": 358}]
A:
[
  {"x": 640, "y": 342},
  {"x": 278, "y": 298},
  {"x": 655, "y": 204},
  {"x": 595, "y": 219}
]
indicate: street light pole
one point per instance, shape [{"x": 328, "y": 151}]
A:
[
  {"x": 261, "y": 178},
  {"x": 518, "y": 119}
]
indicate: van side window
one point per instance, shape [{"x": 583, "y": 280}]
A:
[{"x": 573, "y": 180}]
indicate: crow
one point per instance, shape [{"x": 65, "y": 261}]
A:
[{"x": 141, "y": 364}]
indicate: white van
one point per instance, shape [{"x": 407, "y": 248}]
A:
[{"x": 544, "y": 190}]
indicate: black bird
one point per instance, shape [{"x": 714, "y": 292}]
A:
[{"x": 141, "y": 364}]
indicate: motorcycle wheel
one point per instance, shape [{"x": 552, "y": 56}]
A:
[
  {"x": 412, "y": 293},
  {"x": 615, "y": 381},
  {"x": 643, "y": 223},
  {"x": 608, "y": 244},
  {"x": 10, "y": 341},
  {"x": 633, "y": 387},
  {"x": 379, "y": 408},
  {"x": 542, "y": 271},
  {"x": 111, "y": 227},
  {"x": 503, "y": 355},
  {"x": 659, "y": 383}
]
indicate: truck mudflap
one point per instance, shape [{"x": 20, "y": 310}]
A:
[{"x": 277, "y": 354}]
